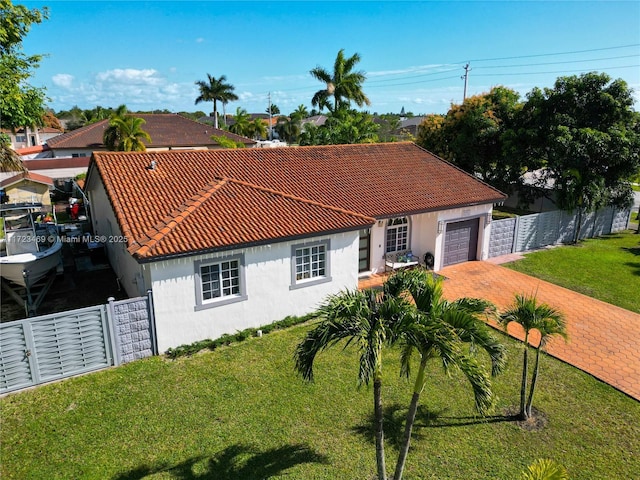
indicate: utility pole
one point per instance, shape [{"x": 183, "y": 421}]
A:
[
  {"x": 270, "y": 133},
  {"x": 465, "y": 76}
]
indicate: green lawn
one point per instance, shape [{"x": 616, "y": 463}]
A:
[
  {"x": 240, "y": 412},
  {"x": 606, "y": 268}
]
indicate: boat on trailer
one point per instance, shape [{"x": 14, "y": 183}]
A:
[{"x": 30, "y": 247}]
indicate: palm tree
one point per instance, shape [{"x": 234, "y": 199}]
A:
[
  {"x": 111, "y": 136},
  {"x": 343, "y": 84},
  {"x": 288, "y": 129},
  {"x": 258, "y": 128},
  {"x": 549, "y": 322},
  {"x": 215, "y": 90},
  {"x": 439, "y": 329},
  {"x": 10, "y": 161},
  {"x": 241, "y": 122},
  {"x": 300, "y": 113},
  {"x": 365, "y": 319},
  {"x": 545, "y": 469},
  {"x": 131, "y": 134}
]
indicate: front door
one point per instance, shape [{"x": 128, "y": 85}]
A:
[{"x": 364, "y": 250}]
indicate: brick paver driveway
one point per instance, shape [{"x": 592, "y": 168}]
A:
[{"x": 604, "y": 340}]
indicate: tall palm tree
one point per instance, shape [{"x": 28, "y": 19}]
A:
[
  {"x": 344, "y": 85},
  {"x": 215, "y": 90},
  {"x": 365, "y": 319},
  {"x": 528, "y": 313},
  {"x": 131, "y": 134},
  {"x": 439, "y": 329}
]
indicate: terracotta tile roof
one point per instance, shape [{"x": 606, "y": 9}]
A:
[
  {"x": 166, "y": 130},
  {"x": 56, "y": 163},
  {"x": 274, "y": 193},
  {"x": 34, "y": 177},
  {"x": 32, "y": 150}
]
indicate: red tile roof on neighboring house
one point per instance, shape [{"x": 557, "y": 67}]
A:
[
  {"x": 34, "y": 177},
  {"x": 57, "y": 163},
  {"x": 256, "y": 195},
  {"x": 32, "y": 150},
  {"x": 165, "y": 130}
]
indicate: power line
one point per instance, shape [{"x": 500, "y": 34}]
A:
[
  {"x": 552, "y": 54},
  {"x": 557, "y": 71},
  {"x": 558, "y": 63}
]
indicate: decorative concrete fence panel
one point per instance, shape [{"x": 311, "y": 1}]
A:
[
  {"x": 538, "y": 230},
  {"x": 51, "y": 347}
]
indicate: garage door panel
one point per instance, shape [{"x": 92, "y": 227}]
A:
[{"x": 461, "y": 242}]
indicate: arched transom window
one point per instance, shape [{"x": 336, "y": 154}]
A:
[{"x": 397, "y": 234}]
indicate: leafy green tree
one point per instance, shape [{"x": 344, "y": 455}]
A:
[
  {"x": 430, "y": 135},
  {"x": 389, "y": 127},
  {"x": 226, "y": 142},
  {"x": 21, "y": 105},
  {"x": 437, "y": 330},
  {"x": 366, "y": 320},
  {"x": 215, "y": 90},
  {"x": 343, "y": 84},
  {"x": 545, "y": 469},
  {"x": 549, "y": 322},
  {"x": 584, "y": 136},
  {"x": 241, "y": 123},
  {"x": 472, "y": 136}
]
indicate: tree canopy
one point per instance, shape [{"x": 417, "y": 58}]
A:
[
  {"x": 581, "y": 137},
  {"x": 21, "y": 104},
  {"x": 584, "y": 136}
]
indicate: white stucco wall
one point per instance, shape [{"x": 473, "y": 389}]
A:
[
  {"x": 126, "y": 268},
  {"x": 425, "y": 237},
  {"x": 269, "y": 298},
  {"x": 460, "y": 214}
]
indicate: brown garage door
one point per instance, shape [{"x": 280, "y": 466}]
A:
[{"x": 460, "y": 242}]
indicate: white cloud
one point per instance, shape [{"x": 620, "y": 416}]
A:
[
  {"x": 130, "y": 76},
  {"x": 245, "y": 96},
  {"x": 62, "y": 80},
  {"x": 200, "y": 40}
]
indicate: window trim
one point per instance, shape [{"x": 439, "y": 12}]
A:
[
  {"x": 295, "y": 284},
  {"x": 388, "y": 227},
  {"x": 202, "y": 304}
]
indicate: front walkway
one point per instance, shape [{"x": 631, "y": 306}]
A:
[{"x": 603, "y": 339}]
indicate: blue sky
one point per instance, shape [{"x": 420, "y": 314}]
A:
[{"x": 148, "y": 55}]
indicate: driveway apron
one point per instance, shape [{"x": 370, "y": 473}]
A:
[{"x": 603, "y": 339}]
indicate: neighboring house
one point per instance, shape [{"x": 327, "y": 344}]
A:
[
  {"x": 27, "y": 187},
  {"x": 231, "y": 239},
  {"x": 167, "y": 132},
  {"x": 29, "y": 137}
]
